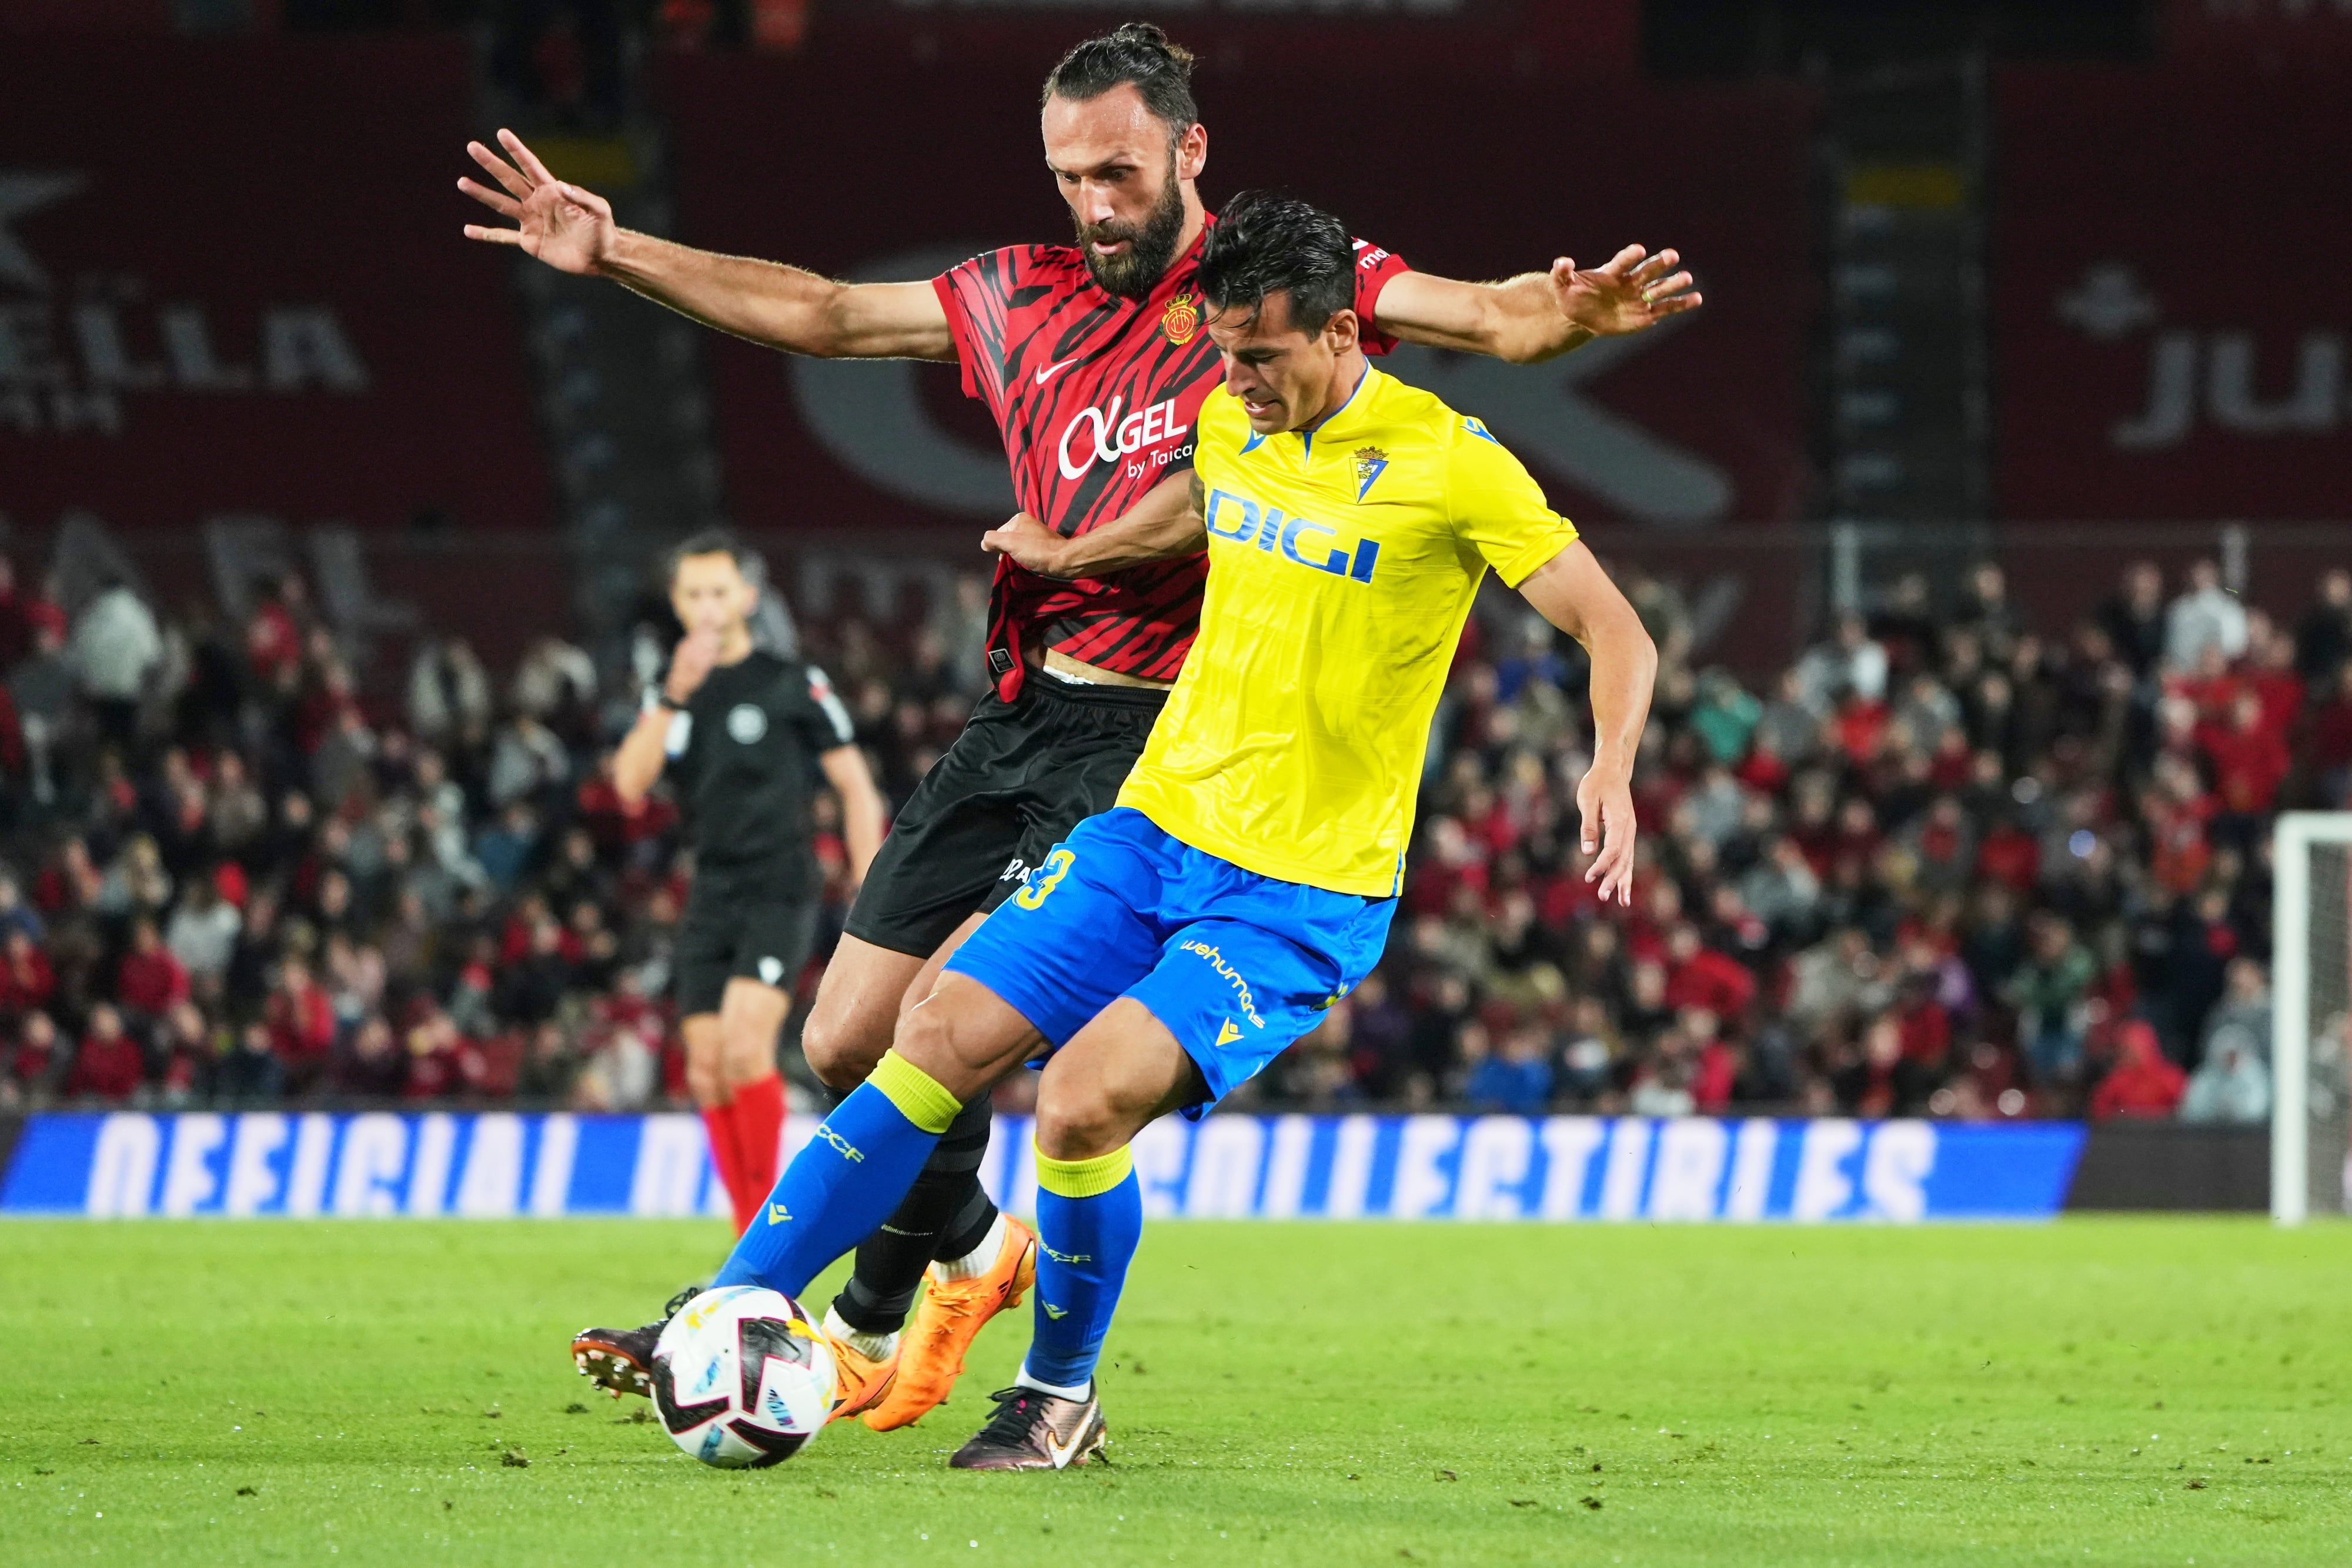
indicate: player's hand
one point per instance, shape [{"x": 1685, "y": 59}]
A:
[
  {"x": 691, "y": 663},
  {"x": 1636, "y": 290},
  {"x": 1029, "y": 542},
  {"x": 570, "y": 229},
  {"x": 1605, "y": 803}
]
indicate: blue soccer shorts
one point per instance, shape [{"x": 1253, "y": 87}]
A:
[{"x": 1236, "y": 965}]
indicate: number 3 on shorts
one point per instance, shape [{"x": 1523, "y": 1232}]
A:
[{"x": 1049, "y": 877}]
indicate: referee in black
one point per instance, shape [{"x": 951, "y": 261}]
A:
[{"x": 744, "y": 737}]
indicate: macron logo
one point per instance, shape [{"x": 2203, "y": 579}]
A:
[{"x": 1230, "y": 975}]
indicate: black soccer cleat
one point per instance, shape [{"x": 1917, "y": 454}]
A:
[
  {"x": 620, "y": 1361},
  {"x": 1035, "y": 1431}
]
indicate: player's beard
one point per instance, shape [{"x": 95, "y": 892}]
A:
[{"x": 1134, "y": 273}]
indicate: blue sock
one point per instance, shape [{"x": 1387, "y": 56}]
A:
[
  {"x": 1089, "y": 1218},
  {"x": 846, "y": 1181}
]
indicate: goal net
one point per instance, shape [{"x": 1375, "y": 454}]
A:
[{"x": 2311, "y": 1016}]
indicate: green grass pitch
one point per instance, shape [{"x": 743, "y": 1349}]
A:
[{"x": 2114, "y": 1391}]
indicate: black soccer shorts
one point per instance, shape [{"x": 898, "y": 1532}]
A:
[
  {"x": 1019, "y": 778},
  {"x": 734, "y": 929}
]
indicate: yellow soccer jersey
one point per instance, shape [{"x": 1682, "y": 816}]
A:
[{"x": 1341, "y": 565}]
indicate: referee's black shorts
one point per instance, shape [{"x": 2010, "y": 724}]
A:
[
  {"x": 1018, "y": 778},
  {"x": 739, "y": 928}
]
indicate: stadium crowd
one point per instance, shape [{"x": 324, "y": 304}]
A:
[{"x": 1949, "y": 864}]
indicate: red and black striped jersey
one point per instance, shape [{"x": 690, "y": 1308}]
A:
[{"x": 1096, "y": 396}]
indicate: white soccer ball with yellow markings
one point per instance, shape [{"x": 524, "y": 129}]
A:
[{"x": 742, "y": 1378}]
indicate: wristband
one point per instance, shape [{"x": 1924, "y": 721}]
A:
[{"x": 655, "y": 698}]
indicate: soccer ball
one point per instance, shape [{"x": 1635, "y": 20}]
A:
[{"x": 742, "y": 1378}]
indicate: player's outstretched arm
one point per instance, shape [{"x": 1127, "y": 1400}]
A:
[
  {"x": 1165, "y": 523},
  {"x": 1573, "y": 593},
  {"x": 1539, "y": 315},
  {"x": 864, "y": 818},
  {"x": 571, "y": 230}
]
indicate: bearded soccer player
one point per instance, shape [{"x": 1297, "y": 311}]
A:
[
  {"x": 1171, "y": 946},
  {"x": 742, "y": 734},
  {"x": 1092, "y": 359}
]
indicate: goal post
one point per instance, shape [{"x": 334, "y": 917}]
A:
[{"x": 2311, "y": 997}]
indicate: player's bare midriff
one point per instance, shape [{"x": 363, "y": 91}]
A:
[{"x": 1056, "y": 663}]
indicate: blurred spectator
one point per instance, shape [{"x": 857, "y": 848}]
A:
[
  {"x": 2142, "y": 1084},
  {"x": 108, "y": 1064},
  {"x": 2206, "y": 616},
  {"x": 136, "y": 884},
  {"x": 2242, "y": 1018},
  {"x": 373, "y": 1066},
  {"x": 42, "y": 686},
  {"x": 274, "y": 631},
  {"x": 1986, "y": 614},
  {"x": 151, "y": 979},
  {"x": 33, "y": 1058},
  {"x": 27, "y": 980},
  {"x": 2230, "y": 1085},
  {"x": 441, "y": 1060},
  {"x": 16, "y": 617},
  {"x": 2134, "y": 618},
  {"x": 533, "y": 985},
  {"x": 1880, "y": 1079},
  {"x": 448, "y": 695},
  {"x": 554, "y": 680},
  {"x": 252, "y": 1073},
  {"x": 116, "y": 647},
  {"x": 549, "y": 1072},
  {"x": 185, "y": 1044},
  {"x": 503, "y": 850},
  {"x": 2323, "y": 638},
  {"x": 301, "y": 1025},
  {"x": 204, "y": 930},
  {"x": 16, "y": 914},
  {"x": 1851, "y": 664},
  {"x": 525, "y": 760},
  {"x": 2048, "y": 992},
  {"x": 1517, "y": 1078}
]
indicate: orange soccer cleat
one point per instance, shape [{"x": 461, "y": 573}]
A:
[
  {"x": 953, "y": 1311},
  {"x": 860, "y": 1381}
]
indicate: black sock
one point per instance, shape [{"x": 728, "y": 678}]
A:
[{"x": 945, "y": 1215}]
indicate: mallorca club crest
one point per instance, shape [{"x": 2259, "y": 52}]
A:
[
  {"x": 1369, "y": 462},
  {"x": 1181, "y": 320}
]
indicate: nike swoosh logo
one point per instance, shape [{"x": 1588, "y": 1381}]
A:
[
  {"x": 1047, "y": 373},
  {"x": 1056, "y": 1314},
  {"x": 778, "y": 1214},
  {"x": 1061, "y": 1453}
]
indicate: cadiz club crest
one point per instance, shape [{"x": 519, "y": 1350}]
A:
[{"x": 1182, "y": 319}]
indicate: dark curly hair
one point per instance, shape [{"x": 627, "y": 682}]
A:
[
  {"x": 1138, "y": 53},
  {"x": 1264, "y": 243}
]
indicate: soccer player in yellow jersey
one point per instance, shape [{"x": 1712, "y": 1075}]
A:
[{"x": 1173, "y": 945}]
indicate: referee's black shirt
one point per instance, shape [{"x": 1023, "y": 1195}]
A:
[{"x": 741, "y": 755}]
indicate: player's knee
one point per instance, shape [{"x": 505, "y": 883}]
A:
[
  {"x": 841, "y": 1048},
  {"x": 1077, "y": 1122}
]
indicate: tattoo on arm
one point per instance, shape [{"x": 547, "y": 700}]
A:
[{"x": 1200, "y": 496}]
